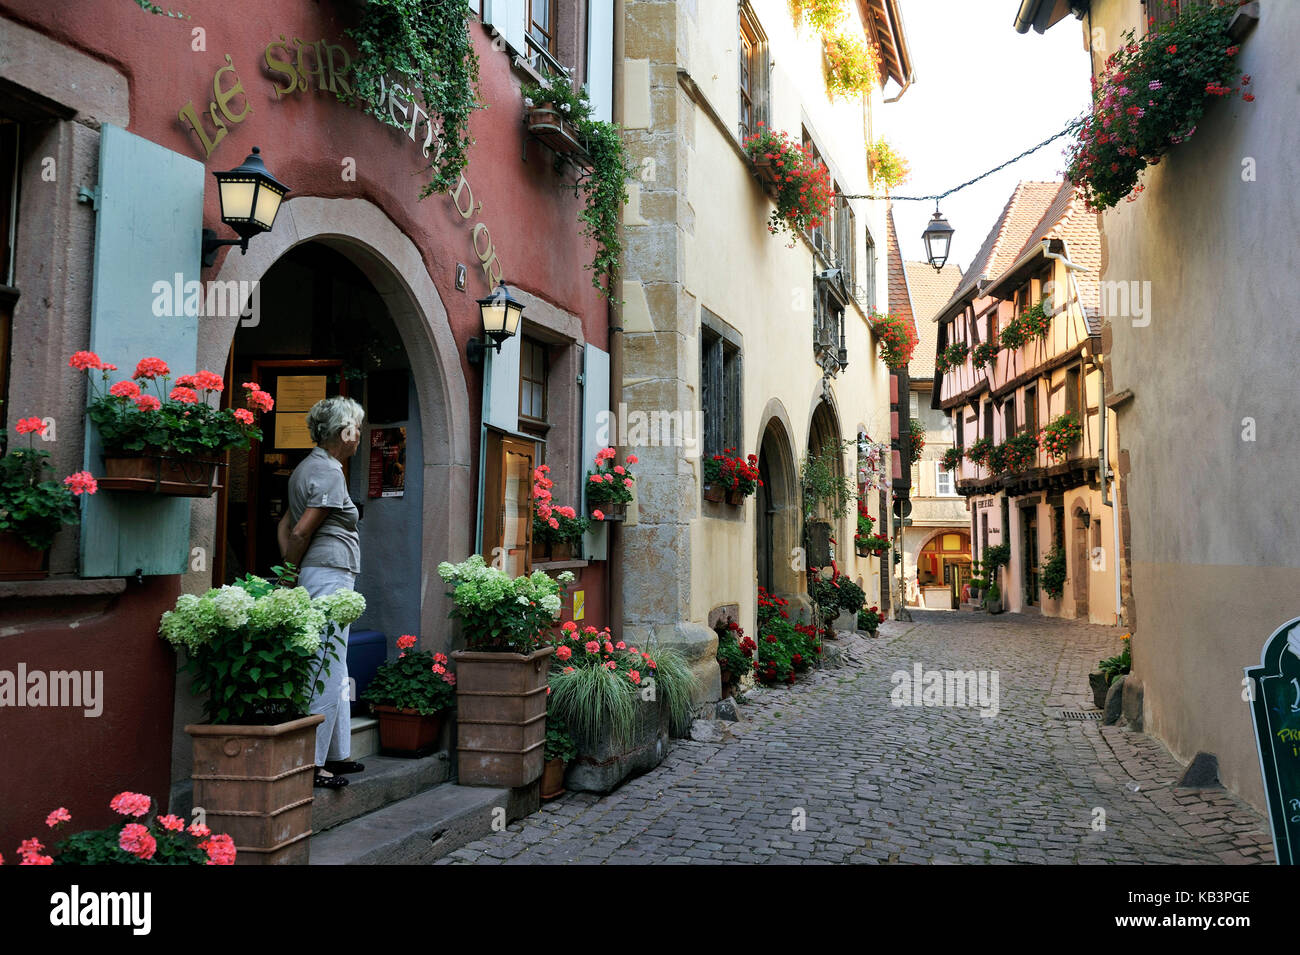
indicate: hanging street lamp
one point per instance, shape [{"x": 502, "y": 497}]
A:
[
  {"x": 250, "y": 199},
  {"x": 938, "y": 239}
]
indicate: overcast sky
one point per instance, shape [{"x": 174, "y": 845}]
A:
[{"x": 982, "y": 94}]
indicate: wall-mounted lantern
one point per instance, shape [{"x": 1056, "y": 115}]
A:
[
  {"x": 250, "y": 199},
  {"x": 500, "y": 315}
]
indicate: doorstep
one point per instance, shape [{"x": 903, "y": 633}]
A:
[
  {"x": 365, "y": 737},
  {"x": 386, "y": 780},
  {"x": 418, "y": 830}
]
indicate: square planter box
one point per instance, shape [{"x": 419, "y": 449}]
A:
[
  {"x": 602, "y": 764},
  {"x": 501, "y": 715},
  {"x": 255, "y": 783}
]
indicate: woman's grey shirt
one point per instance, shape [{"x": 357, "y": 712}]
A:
[{"x": 318, "y": 482}]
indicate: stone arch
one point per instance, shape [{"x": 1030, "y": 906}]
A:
[
  {"x": 777, "y": 512},
  {"x": 394, "y": 266}
]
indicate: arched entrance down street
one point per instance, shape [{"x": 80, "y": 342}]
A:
[
  {"x": 777, "y": 509},
  {"x": 943, "y": 568},
  {"x": 823, "y": 522}
]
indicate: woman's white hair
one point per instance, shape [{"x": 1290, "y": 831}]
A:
[{"x": 334, "y": 417}]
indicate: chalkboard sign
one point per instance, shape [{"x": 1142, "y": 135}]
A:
[{"x": 1275, "y": 709}]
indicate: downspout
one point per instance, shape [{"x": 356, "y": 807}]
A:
[
  {"x": 1103, "y": 463},
  {"x": 614, "y": 566}
]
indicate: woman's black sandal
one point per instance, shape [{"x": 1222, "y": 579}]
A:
[
  {"x": 329, "y": 782},
  {"x": 337, "y": 766}
]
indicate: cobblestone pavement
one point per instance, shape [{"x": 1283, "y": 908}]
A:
[{"x": 914, "y": 784}]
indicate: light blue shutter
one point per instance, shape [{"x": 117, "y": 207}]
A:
[
  {"x": 509, "y": 18},
  {"x": 598, "y": 431},
  {"x": 147, "y": 229},
  {"x": 502, "y": 392},
  {"x": 600, "y": 59}
]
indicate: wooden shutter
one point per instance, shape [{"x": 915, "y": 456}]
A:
[
  {"x": 600, "y": 59},
  {"x": 598, "y": 431},
  {"x": 508, "y": 18},
  {"x": 147, "y": 229}
]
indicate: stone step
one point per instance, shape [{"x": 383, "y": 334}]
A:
[
  {"x": 365, "y": 737},
  {"x": 417, "y": 830},
  {"x": 386, "y": 780}
]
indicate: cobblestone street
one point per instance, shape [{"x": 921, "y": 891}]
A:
[{"x": 914, "y": 784}]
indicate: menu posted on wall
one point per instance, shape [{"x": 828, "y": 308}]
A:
[
  {"x": 388, "y": 462},
  {"x": 1274, "y": 694}
]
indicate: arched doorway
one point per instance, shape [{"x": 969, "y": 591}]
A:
[
  {"x": 398, "y": 275},
  {"x": 825, "y": 461},
  {"x": 776, "y": 528},
  {"x": 943, "y": 568},
  {"x": 324, "y": 330}
]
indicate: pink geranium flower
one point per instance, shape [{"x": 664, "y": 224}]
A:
[
  {"x": 130, "y": 804},
  {"x": 59, "y": 815}
]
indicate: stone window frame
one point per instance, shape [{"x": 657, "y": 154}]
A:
[{"x": 721, "y": 374}]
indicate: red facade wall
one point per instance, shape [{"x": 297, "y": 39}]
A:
[{"x": 56, "y": 757}]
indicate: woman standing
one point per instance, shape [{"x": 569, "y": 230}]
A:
[{"x": 318, "y": 534}]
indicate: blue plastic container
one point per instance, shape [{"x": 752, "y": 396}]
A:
[{"x": 367, "y": 651}]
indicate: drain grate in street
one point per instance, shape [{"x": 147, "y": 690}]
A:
[{"x": 1080, "y": 714}]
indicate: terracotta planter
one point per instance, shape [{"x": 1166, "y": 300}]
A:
[
  {"x": 255, "y": 783},
  {"x": 612, "y": 511},
  {"x": 406, "y": 732},
  {"x": 501, "y": 713},
  {"x": 715, "y": 493},
  {"x": 20, "y": 562},
  {"x": 552, "y": 127},
  {"x": 864, "y": 551},
  {"x": 767, "y": 172},
  {"x": 175, "y": 475},
  {"x": 553, "y": 778}
]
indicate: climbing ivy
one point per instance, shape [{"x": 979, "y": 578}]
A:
[{"x": 425, "y": 45}]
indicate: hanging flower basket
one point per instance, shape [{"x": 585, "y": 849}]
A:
[
  {"x": 549, "y": 125},
  {"x": 175, "y": 475}
]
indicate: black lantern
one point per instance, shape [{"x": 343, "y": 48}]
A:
[
  {"x": 500, "y": 314},
  {"x": 250, "y": 200},
  {"x": 938, "y": 239}
]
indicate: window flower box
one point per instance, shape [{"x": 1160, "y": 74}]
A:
[{"x": 175, "y": 475}]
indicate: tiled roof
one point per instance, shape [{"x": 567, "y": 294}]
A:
[
  {"x": 900, "y": 301},
  {"x": 1023, "y": 211},
  {"x": 930, "y": 290}
]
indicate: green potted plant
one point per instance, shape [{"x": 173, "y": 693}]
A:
[
  {"x": 553, "y": 112},
  {"x": 799, "y": 185},
  {"x": 951, "y": 459},
  {"x": 984, "y": 354},
  {"x": 32, "y": 508},
  {"x": 853, "y": 69},
  {"x": 163, "y": 839},
  {"x": 869, "y": 619},
  {"x": 731, "y": 478},
  {"x": 1061, "y": 435},
  {"x": 409, "y": 696},
  {"x": 1150, "y": 97},
  {"x": 253, "y": 651},
  {"x": 733, "y": 662},
  {"x": 897, "y": 339},
  {"x": 1053, "y": 573},
  {"x": 1108, "y": 670},
  {"x": 501, "y": 673},
  {"x": 979, "y": 451},
  {"x": 161, "y": 437},
  {"x": 1019, "y": 452},
  {"x": 610, "y": 487},
  {"x": 865, "y": 523},
  {"x": 951, "y": 357},
  {"x": 560, "y": 751},
  {"x": 557, "y": 529},
  {"x": 620, "y": 702}
]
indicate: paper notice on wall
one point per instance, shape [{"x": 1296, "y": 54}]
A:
[
  {"x": 299, "y": 392},
  {"x": 388, "y": 462},
  {"x": 291, "y": 430}
]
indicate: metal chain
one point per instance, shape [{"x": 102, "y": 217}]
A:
[{"x": 1073, "y": 125}]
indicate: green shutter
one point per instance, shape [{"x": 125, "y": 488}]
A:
[{"x": 148, "y": 229}]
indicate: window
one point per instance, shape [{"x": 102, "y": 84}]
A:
[
  {"x": 914, "y": 405},
  {"x": 1031, "y": 409},
  {"x": 1009, "y": 417},
  {"x": 1162, "y": 12},
  {"x": 541, "y": 24},
  {"x": 753, "y": 73},
  {"x": 819, "y": 235},
  {"x": 9, "y": 169},
  {"x": 988, "y": 420},
  {"x": 845, "y": 236},
  {"x": 869, "y": 276},
  {"x": 720, "y": 393},
  {"x": 534, "y": 370},
  {"x": 943, "y": 481},
  {"x": 1073, "y": 395},
  {"x": 961, "y": 427}
]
